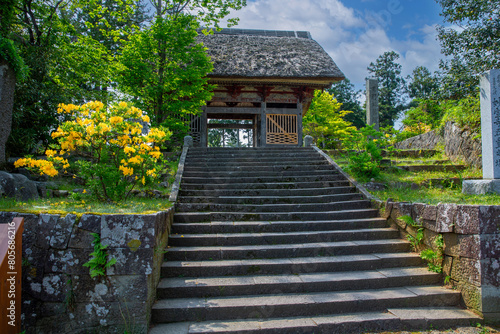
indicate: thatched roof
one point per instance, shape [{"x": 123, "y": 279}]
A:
[{"x": 265, "y": 54}]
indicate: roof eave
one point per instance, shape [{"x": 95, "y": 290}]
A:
[{"x": 323, "y": 82}]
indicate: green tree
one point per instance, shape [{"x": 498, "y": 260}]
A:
[
  {"x": 325, "y": 121},
  {"x": 165, "y": 70},
  {"x": 477, "y": 41},
  {"x": 345, "y": 93},
  {"x": 12, "y": 69},
  {"x": 207, "y": 12},
  {"x": 391, "y": 86},
  {"x": 458, "y": 80},
  {"x": 70, "y": 48},
  {"x": 422, "y": 84}
]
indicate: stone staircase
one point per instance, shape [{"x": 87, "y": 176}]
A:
[{"x": 277, "y": 241}]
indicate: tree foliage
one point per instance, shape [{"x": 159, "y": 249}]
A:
[
  {"x": 344, "y": 93},
  {"x": 325, "y": 122},
  {"x": 391, "y": 86},
  {"x": 422, "y": 84},
  {"x": 164, "y": 69},
  {"x": 207, "y": 12},
  {"x": 73, "y": 48},
  {"x": 477, "y": 40}
]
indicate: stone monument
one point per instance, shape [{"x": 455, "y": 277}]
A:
[
  {"x": 490, "y": 136},
  {"x": 372, "y": 103}
]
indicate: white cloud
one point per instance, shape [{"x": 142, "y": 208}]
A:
[{"x": 352, "y": 38}]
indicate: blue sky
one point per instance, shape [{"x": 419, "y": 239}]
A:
[{"x": 356, "y": 32}]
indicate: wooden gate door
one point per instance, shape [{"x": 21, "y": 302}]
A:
[{"x": 281, "y": 129}]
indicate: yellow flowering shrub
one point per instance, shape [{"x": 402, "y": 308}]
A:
[{"x": 114, "y": 154}]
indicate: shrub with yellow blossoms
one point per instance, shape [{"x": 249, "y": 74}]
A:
[{"x": 114, "y": 155}]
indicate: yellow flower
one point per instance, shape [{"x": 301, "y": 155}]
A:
[
  {"x": 146, "y": 119},
  {"x": 143, "y": 180},
  {"x": 128, "y": 149},
  {"x": 155, "y": 154},
  {"x": 126, "y": 170},
  {"x": 135, "y": 160},
  {"x": 116, "y": 119},
  {"x": 123, "y": 104}
]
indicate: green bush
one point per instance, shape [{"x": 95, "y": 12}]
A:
[{"x": 466, "y": 113}]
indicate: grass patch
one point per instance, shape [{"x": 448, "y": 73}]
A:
[
  {"x": 435, "y": 196},
  {"x": 85, "y": 205},
  {"x": 430, "y": 194}
]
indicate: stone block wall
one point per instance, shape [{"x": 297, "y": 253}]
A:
[
  {"x": 471, "y": 252},
  {"x": 459, "y": 144},
  {"x": 425, "y": 141},
  {"x": 58, "y": 293}
]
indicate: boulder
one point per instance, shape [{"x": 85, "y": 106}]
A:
[
  {"x": 25, "y": 188},
  {"x": 8, "y": 184}
]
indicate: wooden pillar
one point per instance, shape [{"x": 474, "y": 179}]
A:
[
  {"x": 263, "y": 125},
  {"x": 299, "y": 123},
  {"x": 204, "y": 128}
]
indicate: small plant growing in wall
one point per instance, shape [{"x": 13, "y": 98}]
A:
[
  {"x": 416, "y": 240},
  {"x": 99, "y": 262},
  {"x": 409, "y": 220},
  {"x": 434, "y": 259}
]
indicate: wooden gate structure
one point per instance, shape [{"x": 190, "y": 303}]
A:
[{"x": 268, "y": 77}]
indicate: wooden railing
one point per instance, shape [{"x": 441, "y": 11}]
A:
[{"x": 11, "y": 236}]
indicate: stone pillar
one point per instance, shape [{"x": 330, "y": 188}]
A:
[
  {"x": 308, "y": 141},
  {"x": 188, "y": 141},
  {"x": 490, "y": 136},
  {"x": 372, "y": 103}
]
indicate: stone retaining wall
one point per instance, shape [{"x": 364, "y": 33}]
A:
[
  {"x": 459, "y": 145},
  {"x": 425, "y": 141},
  {"x": 58, "y": 294},
  {"x": 471, "y": 256}
]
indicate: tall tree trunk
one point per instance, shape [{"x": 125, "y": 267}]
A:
[{"x": 7, "y": 86}]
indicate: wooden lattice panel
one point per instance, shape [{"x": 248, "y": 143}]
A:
[{"x": 281, "y": 129}]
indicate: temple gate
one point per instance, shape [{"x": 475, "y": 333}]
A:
[{"x": 266, "y": 78}]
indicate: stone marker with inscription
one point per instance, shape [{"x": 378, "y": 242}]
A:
[
  {"x": 490, "y": 135},
  {"x": 372, "y": 117}
]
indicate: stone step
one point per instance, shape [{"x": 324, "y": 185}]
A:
[
  {"x": 203, "y": 253},
  {"x": 261, "y": 179},
  {"x": 433, "y": 168},
  {"x": 257, "y": 168},
  {"x": 197, "y": 217},
  {"x": 277, "y": 226},
  {"x": 270, "y": 185},
  {"x": 395, "y": 319},
  {"x": 252, "y": 154},
  {"x": 274, "y": 238},
  {"x": 308, "y": 304},
  {"x": 337, "y": 263},
  {"x": 294, "y": 283},
  {"x": 263, "y": 164},
  {"x": 246, "y": 150},
  {"x": 271, "y": 199},
  {"x": 304, "y": 192},
  {"x": 256, "y": 173},
  {"x": 251, "y": 208}
]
